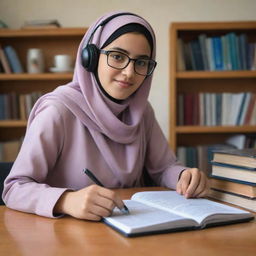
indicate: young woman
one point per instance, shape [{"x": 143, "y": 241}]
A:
[{"x": 102, "y": 121}]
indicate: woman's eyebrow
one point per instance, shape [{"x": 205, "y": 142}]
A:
[{"x": 128, "y": 53}]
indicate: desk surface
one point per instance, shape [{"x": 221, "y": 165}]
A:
[{"x": 28, "y": 234}]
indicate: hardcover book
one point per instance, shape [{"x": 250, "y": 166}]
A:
[
  {"x": 234, "y": 187},
  {"x": 242, "y": 201},
  {"x": 241, "y": 157},
  {"x": 234, "y": 172},
  {"x": 166, "y": 211}
]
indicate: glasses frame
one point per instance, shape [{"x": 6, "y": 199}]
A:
[{"x": 130, "y": 59}]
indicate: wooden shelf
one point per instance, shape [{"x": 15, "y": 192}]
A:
[
  {"x": 12, "y": 123},
  {"x": 215, "y": 74},
  {"x": 44, "y": 76},
  {"x": 37, "y": 32},
  {"x": 215, "y": 129}
]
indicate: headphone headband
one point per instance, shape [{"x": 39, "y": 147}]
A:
[
  {"x": 106, "y": 21},
  {"x": 90, "y": 53}
]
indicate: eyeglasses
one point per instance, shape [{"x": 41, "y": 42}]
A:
[{"x": 119, "y": 60}]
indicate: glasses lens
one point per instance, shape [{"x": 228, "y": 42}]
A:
[
  {"x": 117, "y": 60},
  {"x": 144, "y": 66}
]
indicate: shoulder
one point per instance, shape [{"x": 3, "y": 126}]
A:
[{"x": 50, "y": 111}]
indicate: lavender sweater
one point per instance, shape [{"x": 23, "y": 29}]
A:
[{"x": 57, "y": 147}]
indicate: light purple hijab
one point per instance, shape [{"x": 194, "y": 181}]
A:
[{"x": 106, "y": 120}]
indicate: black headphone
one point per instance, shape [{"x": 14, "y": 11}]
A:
[{"x": 90, "y": 54}]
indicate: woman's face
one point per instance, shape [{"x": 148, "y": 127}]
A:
[{"x": 120, "y": 84}]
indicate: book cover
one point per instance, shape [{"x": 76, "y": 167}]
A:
[
  {"x": 180, "y": 55},
  {"x": 209, "y": 50},
  {"x": 234, "y": 187},
  {"x": 245, "y": 202},
  {"x": 234, "y": 172},
  {"x": 217, "y": 52},
  {"x": 4, "y": 61},
  {"x": 166, "y": 211},
  {"x": 202, "y": 43},
  {"x": 197, "y": 55},
  {"x": 13, "y": 59}
]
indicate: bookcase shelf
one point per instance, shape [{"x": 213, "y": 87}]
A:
[
  {"x": 205, "y": 81},
  {"x": 44, "y": 76},
  {"x": 13, "y": 123},
  {"x": 214, "y": 129},
  {"x": 52, "y": 41},
  {"x": 215, "y": 74}
]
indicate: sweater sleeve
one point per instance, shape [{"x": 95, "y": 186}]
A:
[
  {"x": 24, "y": 188},
  {"x": 161, "y": 162}
]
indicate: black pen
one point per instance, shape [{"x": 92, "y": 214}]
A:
[{"x": 124, "y": 210}]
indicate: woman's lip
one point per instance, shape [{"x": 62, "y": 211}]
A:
[{"x": 123, "y": 83}]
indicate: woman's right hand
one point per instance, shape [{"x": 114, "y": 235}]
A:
[{"x": 90, "y": 203}]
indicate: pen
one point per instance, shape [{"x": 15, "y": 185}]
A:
[{"x": 124, "y": 210}]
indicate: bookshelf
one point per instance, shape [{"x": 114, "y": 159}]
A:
[
  {"x": 205, "y": 81},
  {"x": 52, "y": 41}
]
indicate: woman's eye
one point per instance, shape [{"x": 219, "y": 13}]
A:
[
  {"x": 117, "y": 57},
  {"x": 141, "y": 62}
]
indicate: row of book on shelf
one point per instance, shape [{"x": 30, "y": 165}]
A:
[
  {"x": 15, "y": 106},
  {"x": 230, "y": 51},
  {"x": 9, "y": 60},
  {"x": 212, "y": 109}
]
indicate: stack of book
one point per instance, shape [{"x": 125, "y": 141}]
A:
[{"x": 233, "y": 178}]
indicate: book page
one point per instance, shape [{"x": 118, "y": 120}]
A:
[
  {"x": 144, "y": 218},
  {"x": 197, "y": 209}
]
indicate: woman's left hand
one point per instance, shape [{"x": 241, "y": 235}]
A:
[{"x": 193, "y": 183}]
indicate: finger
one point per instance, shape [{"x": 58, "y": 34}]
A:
[
  {"x": 91, "y": 216},
  {"x": 200, "y": 188},
  {"x": 185, "y": 181},
  {"x": 99, "y": 211},
  {"x": 194, "y": 182},
  {"x": 105, "y": 202},
  {"x": 111, "y": 195},
  {"x": 205, "y": 191},
  {"x": 178, "y": 187}
]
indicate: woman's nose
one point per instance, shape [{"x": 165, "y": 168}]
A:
[{"x": 129, "y": 70}]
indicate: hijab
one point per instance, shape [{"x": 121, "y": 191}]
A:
[
  {"x": 115, "y": 127},
  {"x": 84, "y": 99}
]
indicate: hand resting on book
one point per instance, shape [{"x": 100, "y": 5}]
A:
[{"x": 192, "y": 183}]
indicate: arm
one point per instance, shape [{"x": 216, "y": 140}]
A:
[
  {"x": 164, "y": 168},
  {"x": 26, "y": 187}
]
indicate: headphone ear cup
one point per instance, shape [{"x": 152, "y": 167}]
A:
[{"x": 90, "y": 57}]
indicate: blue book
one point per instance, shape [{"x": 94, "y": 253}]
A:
[
  {"x": 243, "y": 41},
  {"x": 13, "y": 59},
  {"x": 197, "y": 55},
  {"x": 202, "y": 42},
  {"x": 233, "y": 50},
  {"x": 217, "y": 52}
]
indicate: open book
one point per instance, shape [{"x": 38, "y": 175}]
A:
[{"x": 167, "y": 211}]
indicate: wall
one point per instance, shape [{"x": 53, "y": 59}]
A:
[{"x": 159, "y": 13}]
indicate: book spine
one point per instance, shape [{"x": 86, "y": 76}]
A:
[{"x": 13, "y": 59}]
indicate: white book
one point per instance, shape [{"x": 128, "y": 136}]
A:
[
  {"x": 167, "y": 211},
  {"x": 236, "y": 101}
]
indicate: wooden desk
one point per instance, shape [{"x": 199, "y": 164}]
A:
[{"x": 28, "y": 234}]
